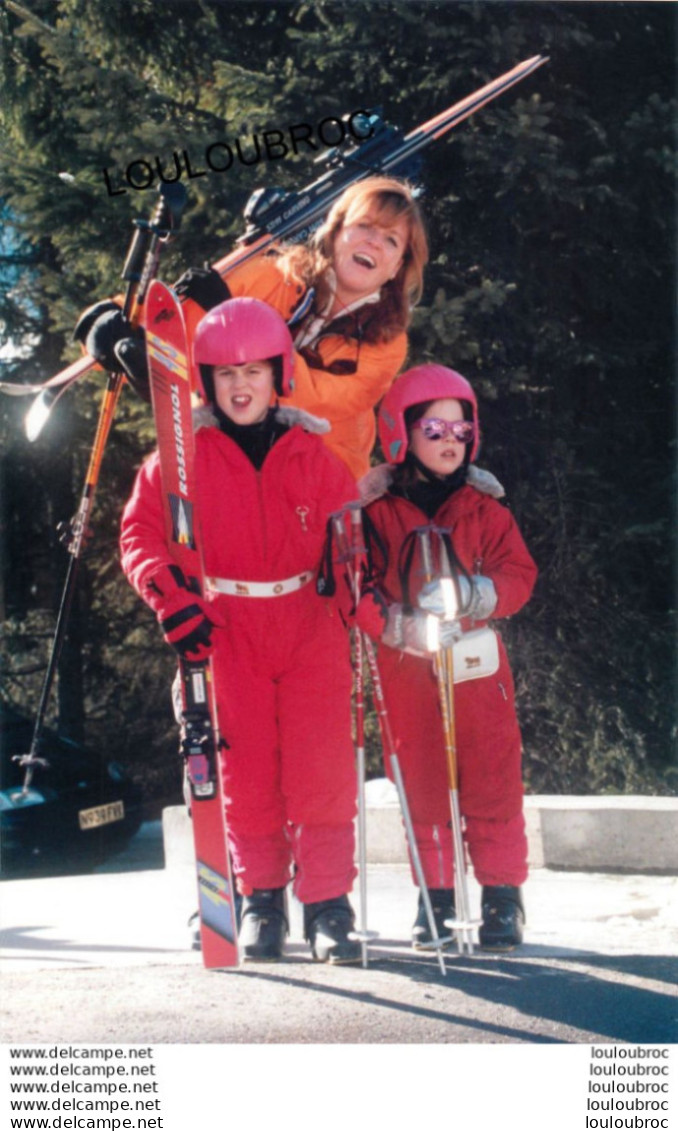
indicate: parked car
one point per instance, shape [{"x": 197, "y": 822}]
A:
[{"x": 77, "y": 810}]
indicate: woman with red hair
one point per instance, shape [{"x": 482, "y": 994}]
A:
[{"x": 347, "y": 297}]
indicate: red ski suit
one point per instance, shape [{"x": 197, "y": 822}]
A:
[
  {"x": 281, "y": 663},
  {"x": 487, "y": 541}
]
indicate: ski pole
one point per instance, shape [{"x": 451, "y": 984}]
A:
[
  {"x": 388, "y": 744},
  {"x": 437, "y": 943},
  {"x": 362, "y": 816},
  {"x": 462, "y": 923},
  {"x": 353, "y": 554},
  {"x": 140, "y": 266},
  {"x": 389, "y": 749}
]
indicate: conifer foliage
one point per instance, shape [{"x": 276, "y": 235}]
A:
[{"x": 551, "y": 216}]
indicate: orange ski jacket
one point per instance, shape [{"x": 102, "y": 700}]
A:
[{"x": 340, "y": 377}]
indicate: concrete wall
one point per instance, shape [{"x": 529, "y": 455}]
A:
[{"x": 600, "y": 834}]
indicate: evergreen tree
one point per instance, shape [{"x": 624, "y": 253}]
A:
[{"x": 551, "y": 215}]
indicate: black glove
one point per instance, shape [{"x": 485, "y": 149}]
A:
[
  {"x": 189, "y": 631},
  {"x": 90, "y": 316},
  {"x": 131, "y": 353},
  {"x": 184, "y": 617},
  {"x": 204, "y": 285},
  {"x": 111, "y": 340},
  {"x": 110, "y": 328}
]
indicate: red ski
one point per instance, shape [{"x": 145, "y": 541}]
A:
[{"x": 172, "y": 408}]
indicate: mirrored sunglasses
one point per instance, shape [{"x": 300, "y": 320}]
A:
[{"x": 463, "y": 431}]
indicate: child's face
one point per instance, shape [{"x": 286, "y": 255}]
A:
[
  {"x": 243, "y": 392},
  {"x": 441, "y": 456}
]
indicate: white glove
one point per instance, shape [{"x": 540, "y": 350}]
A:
[
  {"x": 420, "y": 633},
  {"x": 478, "y": 597}
]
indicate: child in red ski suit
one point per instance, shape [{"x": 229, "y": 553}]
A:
[
  {"x": 428, "y": 427},
  {"x": 267, "y": 485}
]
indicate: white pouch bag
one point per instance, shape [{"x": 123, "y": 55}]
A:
[{"x": 476, "y": 654}]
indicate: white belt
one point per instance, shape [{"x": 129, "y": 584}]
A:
[{"x": 258, "y": 588}]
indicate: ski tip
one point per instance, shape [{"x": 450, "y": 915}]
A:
[{"x": 37, "y": 415}]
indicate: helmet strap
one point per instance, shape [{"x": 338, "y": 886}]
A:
[{"x": 207, "y": 384}]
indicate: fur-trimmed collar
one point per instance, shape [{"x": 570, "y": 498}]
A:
[
  {"x": 288, "y": 414},
  {"x": 203, "y": 417},
  {"x": 377, "y": 481}
]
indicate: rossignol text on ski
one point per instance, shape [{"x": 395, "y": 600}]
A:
[{"x": 167, "y": 351}]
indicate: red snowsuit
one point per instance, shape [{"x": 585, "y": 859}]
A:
[
  {"x": 486, "y": 541},
  {"x": 281, "y": 663}
]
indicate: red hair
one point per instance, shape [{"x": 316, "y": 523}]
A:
[{"x": 385, "y": 200}]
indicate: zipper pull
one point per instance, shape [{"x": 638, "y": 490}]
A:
[{"x": 302, "y": 512}]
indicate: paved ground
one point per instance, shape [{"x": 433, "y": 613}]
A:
[{"x": 103, "y": 958}]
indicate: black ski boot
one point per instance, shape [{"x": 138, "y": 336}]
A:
[
  {"x": 503, "y": 918},
  {"x": 263, "y": 925},
  {"x": 194, "y": 922},
  {"x": 327, "y": 926},
  {"x": 194, "y": 931},
  {"x": 442, "y": 905}
]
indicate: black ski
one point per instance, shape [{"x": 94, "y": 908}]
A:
[{"x": 273, "y": 215}]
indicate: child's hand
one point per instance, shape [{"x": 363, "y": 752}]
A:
[
  {"x": 184, "y": 617},
  {"x": 417, "y": 632},
  {"x": 475, "y": 597},
  {"x": 440, "y": 597},
  {"x": 371, "y": 615},
  {"x": 188, "y": 628}
]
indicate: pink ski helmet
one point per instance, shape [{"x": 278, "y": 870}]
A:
[
  {"x": 423, "y": 383},
  {"x": 241, "y": 330}
]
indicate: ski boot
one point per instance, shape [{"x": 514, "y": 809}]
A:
[
  {"x": 263, "y": 926},
  {"x": 194, "y": 931},
  {"x": 503, "y": 917},
  {"x": 442, "y": 905},
  {"x": 193, "y": 924},
  {"x": 327, "y": 926}
]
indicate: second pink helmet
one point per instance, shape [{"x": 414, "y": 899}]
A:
[
  {"x": 241, "y": 330},
  {"x": 429, "y": 382}
]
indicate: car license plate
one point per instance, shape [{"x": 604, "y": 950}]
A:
[{"x": 101, "y": 815}]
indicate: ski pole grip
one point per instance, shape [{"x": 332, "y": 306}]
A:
[
  {"x": 171, "y": 207},
  {"x": 136, "y": 256},
  {"x": 424, "y": 535},
  {"x": 166, "y": 219}
]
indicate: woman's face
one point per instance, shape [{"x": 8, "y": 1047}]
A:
[{"x": 367, "y": 254}]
